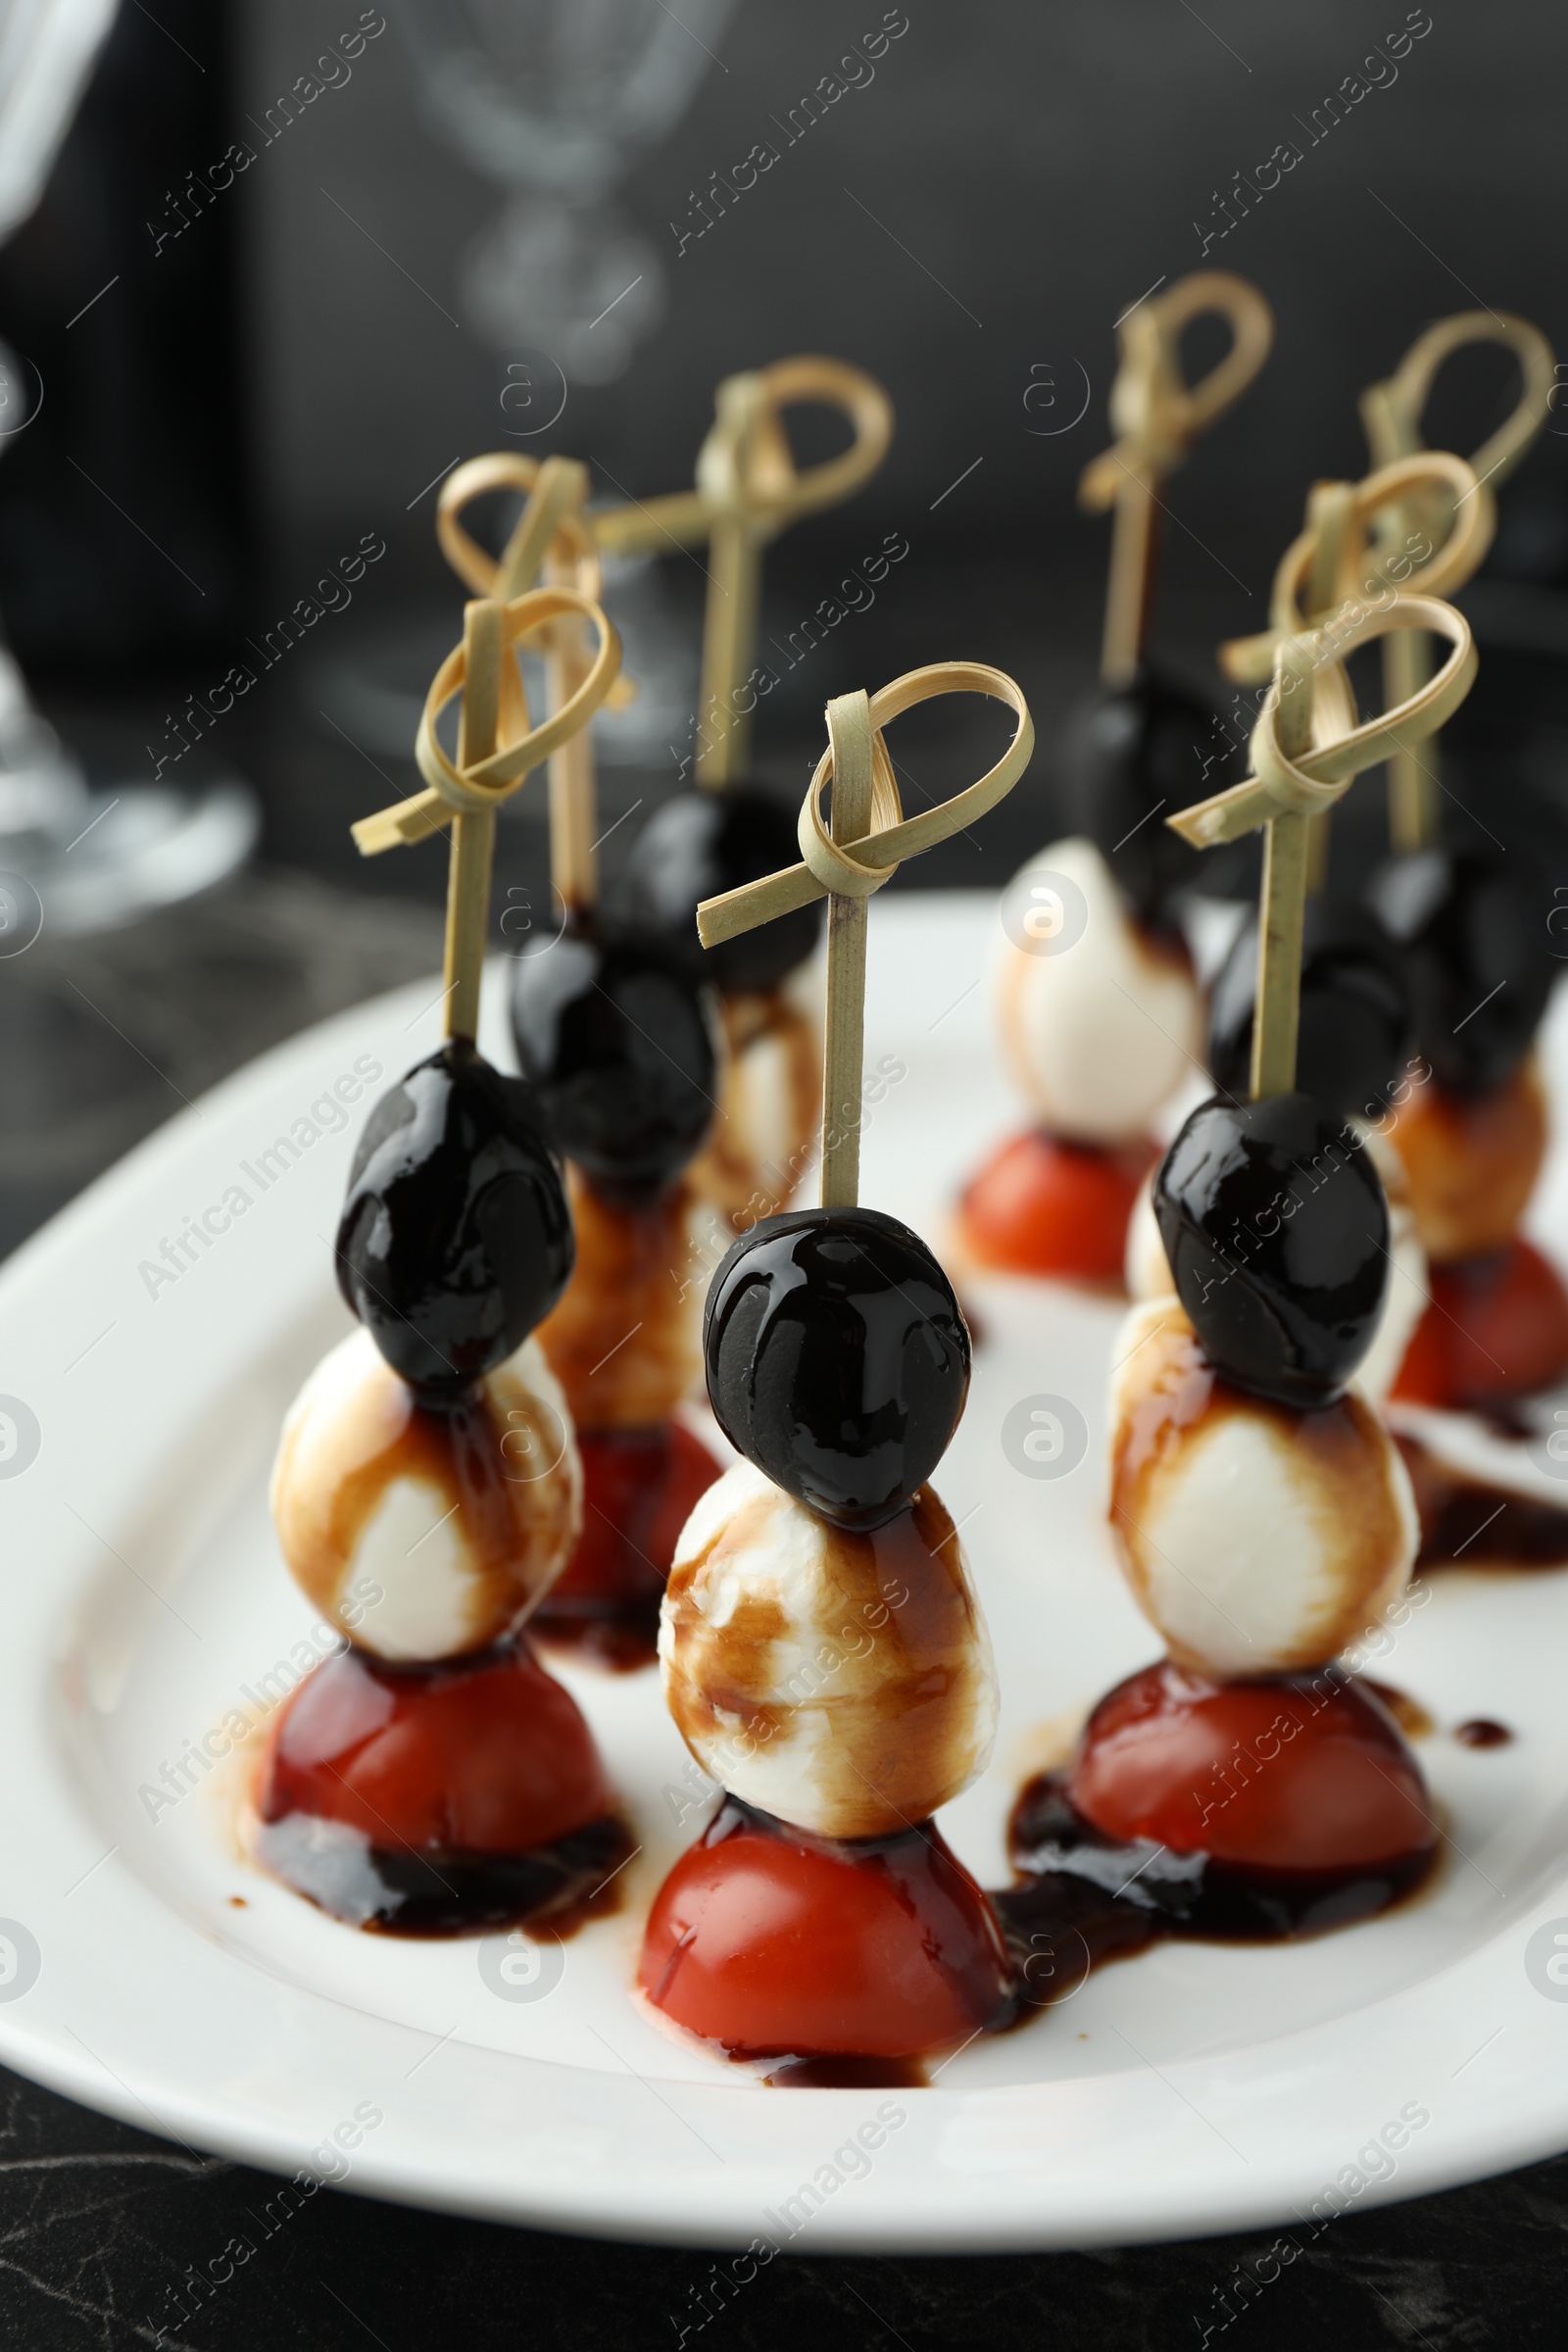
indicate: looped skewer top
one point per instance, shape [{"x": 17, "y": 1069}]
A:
[
  {"x": 744, "y": 467},
  {"x": 497, "y": 749},
  {"x": 826, "y": 868},
  {"x": 749, "y": 489},
  {"x": 552, "y": 535},
  {"x": 1308, "y": 781},
  {"x": 498, "y": 746},
  {"x": 1158, "y": 416},
  {"x": 1391, "y": 410},
  {"x": 1326, "y": 573},
  {"x": 476, "y": 669},
  {"x": 1316, "y": 576},
  {"x": 1295, "y": 779},
  {"x": 850, "y": 858},
  {"x": 1392, "y": 416}
]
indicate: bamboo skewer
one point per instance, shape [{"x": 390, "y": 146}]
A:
[
  {"x": 1283, "y": 910},
  {"x": 1391, "y": 414},
  {"x": 746, "y": 452},
  {"x": 1157, "y": 419},
  {"x": 552, "y": 537},
  {"x": 849, "y": 859},
  {"x": 747, "y": 491},
  {"x": 1327, "y": 571},
  {"x": 473, "y": 833},
  {"x": 498, "y": 748},
  {"x": 849, "y": 727},
  {"x": 1299, "y": 775},
  {"x": 573, "y": 794}
]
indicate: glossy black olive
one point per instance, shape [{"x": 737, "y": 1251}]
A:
[
  {"x": 1277, "y": 1233},
  {"x": 1476, "y": 961},
  {"x": 1355, "y": 1033},
  {"x": 1131, "y": 758},
  {"x": 616, "y": 1034},
  {"x": 700, "y": 845},
  {"x": 455, "y": 1238},
  {"x": 838, "y": 1359}
]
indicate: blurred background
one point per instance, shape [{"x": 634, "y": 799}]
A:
[{"x": 292, "y": 261}]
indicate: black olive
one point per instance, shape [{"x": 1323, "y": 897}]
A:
[
  {"x": 455, "y": 1238},
  {"x": 700, "y": 845},
  {"x": 1476, "y": 964},
  {"x": 1132, "y": 757},
  {"x": 1356, "y": 1032},
  {"x": 1277, "y": 1233},
  {"x": 838, "y": 1359},
  {"x": 616, "y": 1034}
]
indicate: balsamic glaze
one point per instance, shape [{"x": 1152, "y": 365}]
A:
[
  {"x": 1481, "y": 1732},
  {"x": 838, "y": 1359},
  {"x": 390, "y": 1890},
  {"x": 1456, "y": 1511},
  {"x": 1076, "y": 1883},
  {"x": 1277, "y": 1235},
  {"x": 848, "y": 2074},
  {"x": 702, "y": 844},
  {"x": 441, "y": 1800},
  {"x": 1414, "y": 1720},
  {"x": 455, "y": 1239}
]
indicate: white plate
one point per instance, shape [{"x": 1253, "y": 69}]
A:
[{"x": 1195, "y": 2088}]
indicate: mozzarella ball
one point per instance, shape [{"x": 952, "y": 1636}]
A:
[
  {"x": 1256, "y": 1538},
  {"x": 423, "y": 1534},
  {"x": 841, "y": 1682},
  {"x": 1103, "y": 1031},
  {"x": 625, "y": 1338},
  {"x": 770, "y": 1092}
]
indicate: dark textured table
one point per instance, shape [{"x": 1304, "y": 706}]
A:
[{"x": 102, "y": 2230}]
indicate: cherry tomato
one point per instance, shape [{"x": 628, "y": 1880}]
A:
[
  {"x": 1042, "y": 1205},
  {"x": 484, "y": 1755},
  {"x": 1295, "y": 1772},
  {"x": 1497, "y": 1327},
  {"x": 768, "y": 1940}
]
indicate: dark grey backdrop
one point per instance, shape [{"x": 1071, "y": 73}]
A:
[{"x": 1045, "y": 163}]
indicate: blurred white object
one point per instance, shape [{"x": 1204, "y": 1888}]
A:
[
  {"x": 47, "y": 50},
  {"x": 557, "y": 100},
  {"x": 142, "y": 847},
  {"x": 1100, "y": 1022}
]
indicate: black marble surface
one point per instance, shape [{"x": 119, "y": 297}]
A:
[{"x": 102, "y": 2227}]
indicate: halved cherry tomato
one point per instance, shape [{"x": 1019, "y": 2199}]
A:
[
  {"x": 768, "y": 1940},
  {"x": 1297, "y": 1772},
  {"x": 486, "y": 1754},
  {"x": 1497, "y": 1327},
  {"x": 1042, "y": 1205}
]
